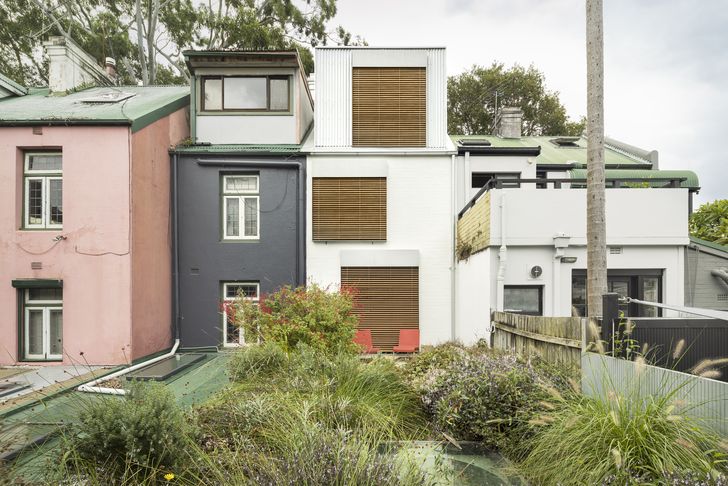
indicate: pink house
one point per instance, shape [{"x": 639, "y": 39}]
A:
[{"x": 85, "y": 233}]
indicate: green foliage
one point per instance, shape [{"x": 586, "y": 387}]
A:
[
  {"x": 265, "y": 360},
  {"x": 310, "y": 315},
  {"x": 484, "y": 395},
  {"x": 312, "y": 420},
  {"x": 472, "y": 109},
  {"x": 622, "y": 439},
  {"x": 145, "y": 428},
  {"x": 710, "y": 222},
  {"x": 106, "y": 28}
]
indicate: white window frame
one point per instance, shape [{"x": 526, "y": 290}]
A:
[
  {"x": 46, "y": 307},
  {"x": 241, "y": 196},
  {"x": 45, "y": 176},
  {"x": 225, "y": 298}
]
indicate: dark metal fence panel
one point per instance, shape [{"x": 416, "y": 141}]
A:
[{"x": 703, "y": 339}]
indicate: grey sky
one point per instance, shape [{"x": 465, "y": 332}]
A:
[{"x": 666, "y": 62}]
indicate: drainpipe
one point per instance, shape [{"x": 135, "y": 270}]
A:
[
  {"x": 561, "y": 242},
  {"x": 453, "y": 259},
  {"x": 175, "y": 249},
  {"x": 502, "y": 257},
  {"x": 91, "y": 387}
]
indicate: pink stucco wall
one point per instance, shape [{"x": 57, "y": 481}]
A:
[
  {"x": 93, "y": 260},
  {"x": 152, "y": 233}
]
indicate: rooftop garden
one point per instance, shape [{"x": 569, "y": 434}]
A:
[{"x": 302, "y": 407}]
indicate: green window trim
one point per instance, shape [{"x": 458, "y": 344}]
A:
[{"x": 37, "y": 283}]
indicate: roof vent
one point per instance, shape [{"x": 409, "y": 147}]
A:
[
  {"x": 615, "y": 250},
  {"x": 474, "y": 142},
  {"x": 565, "y": 141}
]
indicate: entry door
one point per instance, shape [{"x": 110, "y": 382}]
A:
[{"x": 43, "y": 333}]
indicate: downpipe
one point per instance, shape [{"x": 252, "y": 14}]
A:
[
  {"x": 91, "y": 387},
  {"x": 502, "y": 258}
]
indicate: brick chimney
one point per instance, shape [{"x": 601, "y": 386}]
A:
[
  {"x": 71, "y": 67},
  {"x": 508, "y": 122}
]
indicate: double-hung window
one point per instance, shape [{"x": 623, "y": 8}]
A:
[
  {"x": 43, "y": 190},
  {"x": 42, "y": 324},
  {"x": 241, "y": 207},
  {"x": 232, "y": 333}
]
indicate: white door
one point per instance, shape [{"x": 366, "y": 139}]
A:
[{"x": 44, "y": 333}]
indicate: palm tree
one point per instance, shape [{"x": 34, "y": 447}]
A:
[{"x": 596, "y": 225}]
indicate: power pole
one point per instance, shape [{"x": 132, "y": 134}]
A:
[{"x": 596, "y": 224}]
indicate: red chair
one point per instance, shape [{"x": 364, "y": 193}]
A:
[
  {"x": 409, "y": 341},
  {"x": 364, "y": 339}
]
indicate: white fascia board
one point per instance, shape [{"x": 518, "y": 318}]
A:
[{"x": 380, "y": 258}]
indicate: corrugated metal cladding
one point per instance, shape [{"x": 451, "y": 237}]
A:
[{"x": 333, "y": 89}]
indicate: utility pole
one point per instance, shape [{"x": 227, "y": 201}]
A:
[{"x": 596, "y": 224}]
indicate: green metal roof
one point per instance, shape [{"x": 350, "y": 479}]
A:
[
  {"x": 552, "y": 154},
  {"x": 238, "y": 149},
  {"x": 147, "y": 105},
  {"x": 691, "y": 177},
  {"x": 12, "y": 86},
  {"x": 709, "y": 244}
]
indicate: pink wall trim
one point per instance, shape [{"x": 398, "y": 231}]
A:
[{"x": 152, "y": 233}]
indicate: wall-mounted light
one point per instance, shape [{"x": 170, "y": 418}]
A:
[{"x": 568, "y": 259}]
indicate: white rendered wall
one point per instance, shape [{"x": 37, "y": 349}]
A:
[
  {"x": 634, "y": 216},
  {"x": 473, "y": 289},
  {"x": 419, "y": 217}
]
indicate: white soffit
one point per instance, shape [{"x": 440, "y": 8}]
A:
[
  {"x": 389, "y": 58},
  {"x": 380, "y": 258}
]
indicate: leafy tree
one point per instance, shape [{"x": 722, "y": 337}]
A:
[
  {"x": 147, "y": 37},
  {"x": 472, "y": 101},
  {"x": 710, "y": 222}
]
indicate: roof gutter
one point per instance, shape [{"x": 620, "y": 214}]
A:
[
  {"x": 527, "y": 151},
  {"x": 63, "y": 123}
]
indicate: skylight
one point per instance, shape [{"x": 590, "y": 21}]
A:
[
  {"x": 565, "y": 141},
  {"x": 107, "y": 97},
  {"x": 474, "y": 142}
]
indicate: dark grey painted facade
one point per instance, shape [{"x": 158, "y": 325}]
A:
[
  {"x": 703, "y": 289},
  {"x": 203, "y": 260}
]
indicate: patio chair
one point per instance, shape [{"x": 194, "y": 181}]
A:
[
  {"x": 409, "y": 341},
  {"x": 364, "y": 338}
]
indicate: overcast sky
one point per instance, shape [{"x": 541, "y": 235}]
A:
[{"x": 666, "y": 62}]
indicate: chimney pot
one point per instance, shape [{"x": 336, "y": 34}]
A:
[{"x": 111, "y": 67}]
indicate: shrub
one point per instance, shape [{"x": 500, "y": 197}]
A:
[
  {"x": 263, "y": 361},
  {"x": 623, "y": 439},
  {"x": 309, "y": 315},
  {"x": 145, "y": 428},
  {"x": 484, "y": 395}
]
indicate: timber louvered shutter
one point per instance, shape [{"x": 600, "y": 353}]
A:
[
  {"x": 389, "y": 107},
  {"x": 349, "y": 208},
  {"x": 387, "y": 300}
]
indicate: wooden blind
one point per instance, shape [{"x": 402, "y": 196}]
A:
[
  {"x": 389, "y": 107},
  {"x": 387, "y": 300},
  {"x": 350, "y": 208}
]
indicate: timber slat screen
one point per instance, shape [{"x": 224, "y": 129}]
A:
[
  {"x": 389, "y": 107},
  {"x": 387, "y": 300},
  {"x": 349, "y": 208}
]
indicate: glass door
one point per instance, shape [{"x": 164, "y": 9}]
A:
[{"x": 43, "y": 333}]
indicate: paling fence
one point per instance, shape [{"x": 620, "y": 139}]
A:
[
  {"x": 701, "y": 397},
  {"x": 555, "y": 339}
]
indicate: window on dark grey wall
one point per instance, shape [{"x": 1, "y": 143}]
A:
[
  {"x": 637, "y": 284},
  {"x": 523, "y": 299}
]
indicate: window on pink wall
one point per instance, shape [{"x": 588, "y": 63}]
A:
[{"x": 42, "y": 190}]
